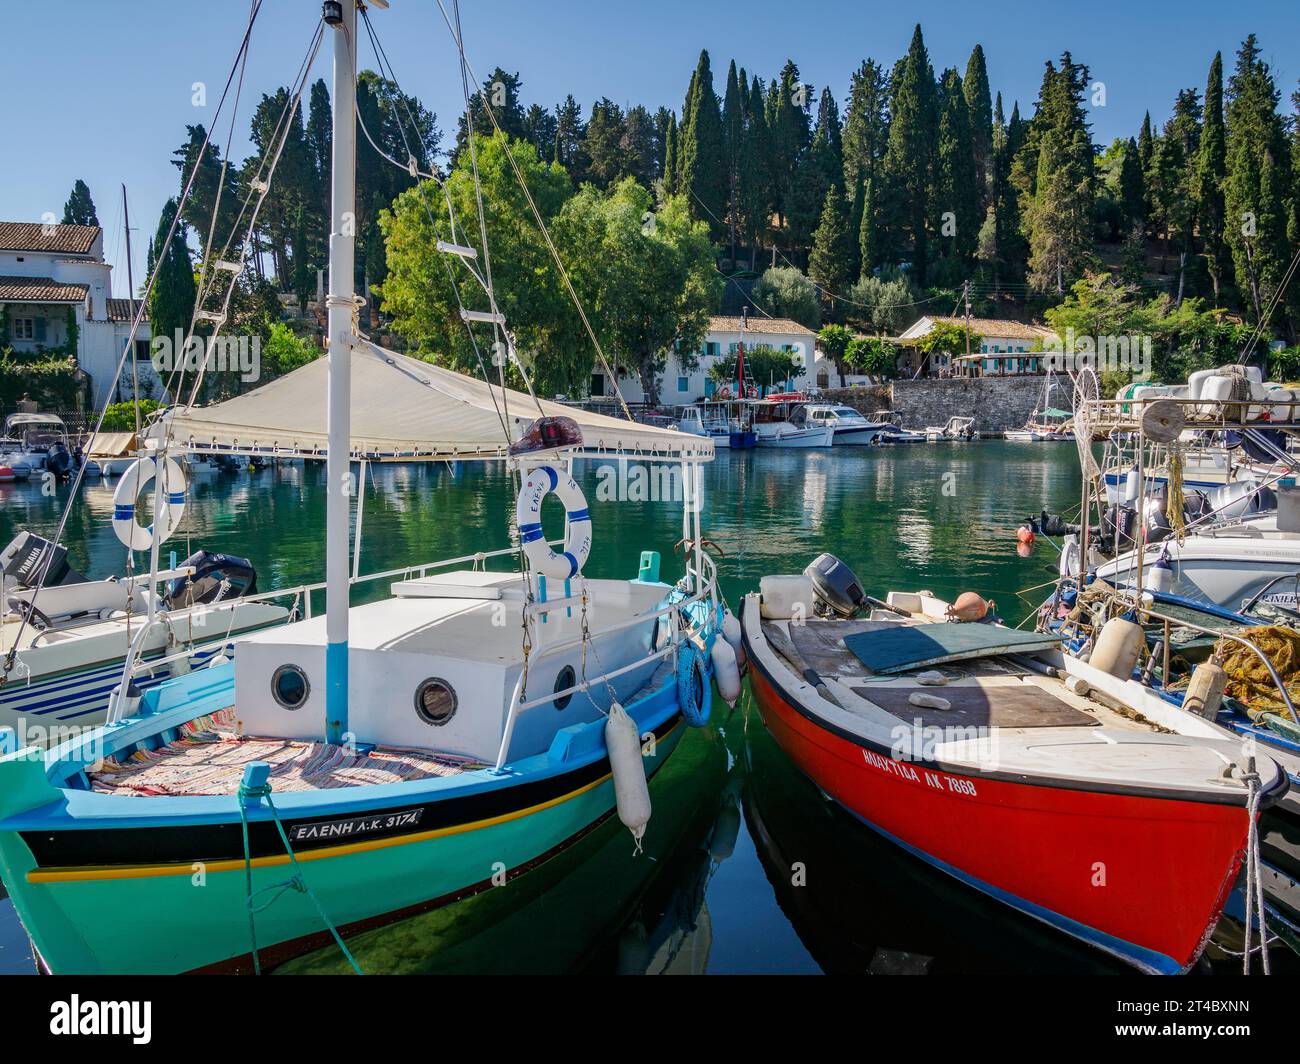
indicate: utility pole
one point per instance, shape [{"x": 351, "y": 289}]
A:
[
  {"x": 130, "y": 302},
  {"x": 965, "y": 288}
]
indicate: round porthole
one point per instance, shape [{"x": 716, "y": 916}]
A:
[
  {"x": 566, "y": 679},
  {"x": 435, "y": 701},
  {"x": 289, "y": 686}
]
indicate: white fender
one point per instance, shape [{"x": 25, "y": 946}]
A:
[
  {"x": 726, "y": 672},
  {"x": 138, "y": 477},
  {"x": 731, "y": 633},
  {"x": 539, "y": 483},
  {"x": 631, "y": 792}
]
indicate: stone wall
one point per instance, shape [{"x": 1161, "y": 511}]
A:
[{"x": 996, "y": 403}]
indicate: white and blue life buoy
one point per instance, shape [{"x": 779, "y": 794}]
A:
[
  {"x": 539, "y": 483},
  {"x": 694, "y": 687},
  {"x": 137, "y": 478}
]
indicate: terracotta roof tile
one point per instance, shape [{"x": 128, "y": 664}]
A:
[
  {"x": 40, "y": 290},
  {"x": 757, "y": 323},
  {"x": 122, "y": 309},
  {"x": 33, "y": 236}
]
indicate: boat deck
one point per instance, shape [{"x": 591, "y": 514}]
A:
[{"x": 208, "y": 758}]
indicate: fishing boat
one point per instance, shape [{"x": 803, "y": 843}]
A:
[
  {"x": 387, "y": 758},
  {"x": 849, "y": 427},
  {"x": 726, "y": 423},
  {"x": 1023, "y": 773}
]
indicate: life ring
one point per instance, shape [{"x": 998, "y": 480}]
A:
[
  {"x": 694, "y": 688},
  {"x": 751, "y": 392},
  {"x": 528, "y": 517},
  {"x": 138, "y": 476}
]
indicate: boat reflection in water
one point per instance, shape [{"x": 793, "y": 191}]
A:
[{"x": 595, "y": 907}]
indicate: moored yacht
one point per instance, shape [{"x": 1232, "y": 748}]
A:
[{"x": 849, "y": 427}]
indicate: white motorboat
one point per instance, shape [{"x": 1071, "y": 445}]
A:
[
  {"x": 892, "y": 432},
  {"x": 849, "y": 427},
  {"x": 775, "y": 426},
  {"x": 956, "y": 428},
  {"x": 35, "y": 442}
]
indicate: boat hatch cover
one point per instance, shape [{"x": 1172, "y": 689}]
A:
[{"x": 897, "y": 649}]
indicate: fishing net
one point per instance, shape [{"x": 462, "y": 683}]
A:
[{"x": 1249, "y": 681}]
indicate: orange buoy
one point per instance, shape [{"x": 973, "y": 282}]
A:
[
  {"x": 1025, "y": 534},
  {"x": 968, "y": 607}
]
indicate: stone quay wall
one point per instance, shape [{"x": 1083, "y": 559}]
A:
[{"x": 996, "y": 403}]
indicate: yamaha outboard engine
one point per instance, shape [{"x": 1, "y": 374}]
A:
[
  {"x": 217, "y": 578},
  {"x": 838, "y": 590},
  {"x": 28, "y": 556}
]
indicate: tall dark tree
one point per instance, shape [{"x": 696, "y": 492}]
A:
[
  {"x": 320, "y": 138},
  {"x": 819, "y": 168},
  {"x": 171, "y": 303},
  {"x": 957, "y": 182},
  {"x": 1258, "y": 178},
  {"x": 866, "y": 123},
  {"x": 755, "y": 190},
  {"x": 670, "y": 155},
  {"x": 80, "y": 208},
  {"x": 1132, "y": 189},
  {"x": 1210, "y": 175},
  {"x": 828, "y": 262},
  {"x": 204, "y": 201},
  {"x": 1146, "y": 146},
  {"x": 910, "y": 156},
  {"x": 500, "y": 95},
  {"x": 733, "y": 150},
  {"x": 539, "y": 130},
  {"x": 641, "y": 145},
  {"x": 608, "y": 160},
  {"x": 975, "y": 88},
  {"x": 569, "y": 131},
  {"x": 789, "y": 133},
  {"x": 699, "y": 152}
]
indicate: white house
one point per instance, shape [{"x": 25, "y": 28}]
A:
[
  {"x": 47, "y": 270},
  {"x": 680, "y": 385},
  {"x": 1006, "y": 347}
]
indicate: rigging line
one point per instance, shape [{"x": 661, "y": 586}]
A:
[
  {"x": 482, "y": 217},
  {"x": 1272, "y": 305},
  {"x": 546, "y": 235},
  {"x": 128, "y": 347},
  {"x": 843, "y": 299},
  {"x": 386, "y": 67},
  {"x": 252, "y": 222}
]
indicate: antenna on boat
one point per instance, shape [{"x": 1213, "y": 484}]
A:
[
  {"x": 341, "y": 16},
  {"x": 130, "y": 302}
]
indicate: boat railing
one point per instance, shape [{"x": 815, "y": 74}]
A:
[
  {"x": 1169, "y": 622},
  {"x": 705, "y": 591}
]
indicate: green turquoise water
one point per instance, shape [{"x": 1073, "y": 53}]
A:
[{"x": 748, "y": 868}]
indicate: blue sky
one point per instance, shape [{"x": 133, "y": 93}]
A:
[{"x": 102, "y": 91}]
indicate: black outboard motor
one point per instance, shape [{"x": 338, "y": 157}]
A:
[
  {"x": 1119, "y": 528},
  {"x": 1046, "y": 524},
  {"x": 59, "y": 461},
  {"x": 838, "y": 590},
  {"x": 217, "y": 578},
  {"x": 28, "y": 555},
  {"x": 225, "y": 463}
]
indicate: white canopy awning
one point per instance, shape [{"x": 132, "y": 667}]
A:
[{"x": 403, "y": 410}]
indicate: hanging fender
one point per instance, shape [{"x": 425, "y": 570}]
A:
[
  {"x": 137, "y": 478},
  {"x": 539, "y": 483}
]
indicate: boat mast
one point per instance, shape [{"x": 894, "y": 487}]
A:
[{"x": 341, "y": 304}]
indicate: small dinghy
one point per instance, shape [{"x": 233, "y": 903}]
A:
[{"x": 1022, "y": 772}]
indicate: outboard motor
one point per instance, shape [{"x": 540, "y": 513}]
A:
[
  {"x": 28, "y": 555},
  {"x": 225, "y": 463},
  {"x": 217, "y": 578},
  {"x": 1054, "y": 525},
  {"x": 839, "y": 592},
  {"x": 1118, "y": 528},
  {"x": 59, "y": 461}
]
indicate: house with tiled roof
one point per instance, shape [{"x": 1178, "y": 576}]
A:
[
  {"x": 682, "y": 384},
  {"x": 54, "y": 276},
  {"x": 1004, "y": 348}
]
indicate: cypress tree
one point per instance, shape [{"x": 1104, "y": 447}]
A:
[
  {"x": 670, "y": 155},
  {"x": 866, "y": 123},
  {"x": 733, "y": 147},
  {"x": 1146, "y": 153},
  {"x": 569, "y": 131},
  {"x": 699, "y": 152},
  {"x": 171, "y": 303},
  {"x": 80, "y": 208},
  {"x": 788, "y": 136},
  {"x": 1210, "y": 174},
  {"x": 1132, "y": 191},
  {"x": 1258, "y": 178},
  {"x": 975, "y": 89},
  {"x": 957, "y": 181},
  {"x": 909, "y": 158},
  {"x": 867, "y": 230},
  {"x": 755, "y": 190},
  {"x": 828, "y": 262}
]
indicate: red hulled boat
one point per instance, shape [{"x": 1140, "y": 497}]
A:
[{"x": 1123, "y": 825}]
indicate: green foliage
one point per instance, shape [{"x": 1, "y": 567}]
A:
[
  {"x": 834, "y": 340},
  {"x": 646, "y": 275},
  {"x": 120, "y": 417},
  {"x": 949, "y": 338},
  {"x": 283, "y": 352},
  {"x": 699, "y": 151},
  {"x": 171, "y": 303},
  {"x": 884, "y": 304},
  {"x": 909, "y": 159},
  {"x": 1284, "y": 364},
  {"x": 871, "y": 354},
  {"x": 785, "y": 292},
  {"x": 764, "y": 365},
  {"x": 53, "y": 382},
  {"x": 832, "y": 249}
]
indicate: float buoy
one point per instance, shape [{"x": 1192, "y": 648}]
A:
[
  {"x": 969, "y": 607},
  {"x": 726, "y": 671},
  {"x": 1025, "y": 535},
  {"x": 528, "y": 517},
  {"x": 732, "y": 634},
  {"x": 140, "y": 475},
  {"x": 631, "y": 792}
]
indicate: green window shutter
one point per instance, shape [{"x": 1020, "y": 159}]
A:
[{"x": 40, "y": 330}]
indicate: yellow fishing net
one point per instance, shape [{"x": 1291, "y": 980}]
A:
[{"x": 1248, "y": 679}]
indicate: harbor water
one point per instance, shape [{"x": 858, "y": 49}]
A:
[{"x": 747, "y": 867}]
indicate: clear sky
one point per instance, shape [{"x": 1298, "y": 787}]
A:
[{"x": 102, "y": 91}]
